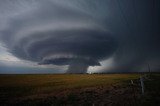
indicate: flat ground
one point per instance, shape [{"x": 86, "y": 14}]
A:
[{"x": 79, "y": 89}]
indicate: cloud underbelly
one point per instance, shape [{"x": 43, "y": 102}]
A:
[{"x": 59, "y": 36}]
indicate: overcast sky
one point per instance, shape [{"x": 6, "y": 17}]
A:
[{"x": 79, "y": 36}]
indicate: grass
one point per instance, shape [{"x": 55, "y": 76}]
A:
[
  {"x": 39, "y": 83},
  {"x": 152, "y": 93},
  {"x": 49, "y": 89}
]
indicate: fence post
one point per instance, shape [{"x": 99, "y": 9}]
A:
[
  {"x": 134, "y": 93},
  {"x": 142, "y": 84}
]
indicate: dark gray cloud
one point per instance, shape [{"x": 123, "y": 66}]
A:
[
  {"x": 84, "y": 33},
  {"x": 54, "y": 34},
  {"x": 76, "y": 64}
]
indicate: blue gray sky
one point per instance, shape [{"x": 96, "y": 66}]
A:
[{"x": 79, "y": 36}]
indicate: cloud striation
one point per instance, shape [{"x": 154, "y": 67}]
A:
[
  {"x": 54, "y": 34},
  {"x": 83, "y": 33}
]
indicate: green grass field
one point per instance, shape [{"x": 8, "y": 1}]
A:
[{"x": 66, "y": 88}]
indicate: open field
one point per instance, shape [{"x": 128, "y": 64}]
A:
[{"x": 77, "y": 89}]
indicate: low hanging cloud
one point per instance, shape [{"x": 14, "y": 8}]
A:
[
  {"x": 53, "y": 34},
  {"x": 83, "y": 33}
]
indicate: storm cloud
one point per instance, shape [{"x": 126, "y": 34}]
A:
[{"x": 83, "y": 33}]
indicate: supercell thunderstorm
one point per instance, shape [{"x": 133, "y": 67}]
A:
[{"x": 81, "y": 33}]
